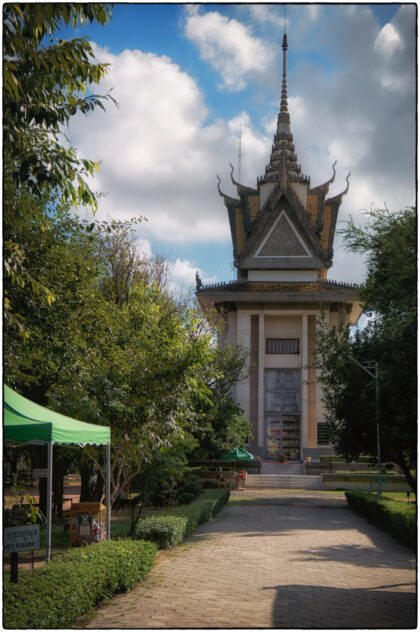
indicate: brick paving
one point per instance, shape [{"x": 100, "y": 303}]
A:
[{"x": 275, "y": 559}]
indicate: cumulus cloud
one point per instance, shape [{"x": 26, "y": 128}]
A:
[
  {"x": 159, "y": 157},
  {"x": 183, "y": 275},
  {"x": 388, "y": 40},
  {"x": 229, "y": 46}
]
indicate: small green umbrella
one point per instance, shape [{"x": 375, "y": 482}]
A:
[{"x": 238, "y": 453}]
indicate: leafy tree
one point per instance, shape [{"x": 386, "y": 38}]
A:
[
  {"x": 221, "y": 425},
  {"x": 389, "y": 294},
  {"x": 46, "y": 82}
]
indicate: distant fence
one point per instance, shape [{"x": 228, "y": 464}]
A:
[{"x": 253, "y": 467}]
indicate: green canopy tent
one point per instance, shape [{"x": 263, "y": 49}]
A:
[
  {"x": 29, "y": 423},
  {"x": 238, "y": 454}
]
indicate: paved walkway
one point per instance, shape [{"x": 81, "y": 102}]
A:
[{"x": 283, "y": 560}]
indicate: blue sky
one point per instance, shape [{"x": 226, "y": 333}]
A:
[{"x": 189, "y": 77}]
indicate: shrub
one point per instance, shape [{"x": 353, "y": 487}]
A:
[
  {"x": 189, "y": 490},
  {"x": 186, "y": 498},
  {"x": 200, "y": 510},
  {"x": 328, "y": 458},
  {"x": 57, "y": 594},
  {"x": 396, "y": 517},
  {"x": 208, "y": 484},
  {"x": 165, "y": 530}
]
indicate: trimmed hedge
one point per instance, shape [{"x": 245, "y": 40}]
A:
[
  {"x": 333, "y": 458},
  {"x": 396, "y": 517},
  {"x": 166, "y": 531},
  {"x": 57, "y": 594},
  {"x": 173, "y": 525}
]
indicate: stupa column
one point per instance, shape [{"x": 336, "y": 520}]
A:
[
  {"x": 243, "y": 389},
  {"x": 304, "y": 412},
  {"x": 261, "y": 383}
]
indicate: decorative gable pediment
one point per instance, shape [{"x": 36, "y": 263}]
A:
[{"x": 282, "y": 240}]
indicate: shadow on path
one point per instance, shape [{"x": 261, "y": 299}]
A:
[
  {"x": 343, "y": 608},
  {"x": 250, "y": 522}
]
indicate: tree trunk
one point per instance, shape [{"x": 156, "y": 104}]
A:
[
  {"x": 406, "y": 471},
  {"x": 86, "y": 470}
]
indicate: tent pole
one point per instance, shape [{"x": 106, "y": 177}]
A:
[
  {"x": 108, "y": 491},
  {"x": 49, "y": 499}
]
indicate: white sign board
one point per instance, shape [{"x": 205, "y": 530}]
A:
[
  {"x": 40, "y": 473},
  {"x": 24, "y": 538}
]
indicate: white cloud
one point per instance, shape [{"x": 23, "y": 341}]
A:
[
  {"x": 229, "y": 46},
  {"x": 314, "y": 11},
  {"x": 159, "y": 157},
  {"x": 388, "y": 40},
  {"x": 183, "y": 274},
  {"x": 266, "y": 13}
]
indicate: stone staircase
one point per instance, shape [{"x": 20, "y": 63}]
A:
[{"x": 283, "y": 476}]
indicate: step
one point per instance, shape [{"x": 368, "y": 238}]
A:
[
  {"x": 287, "y": 468},
  {"x": 283, "y": 481}
]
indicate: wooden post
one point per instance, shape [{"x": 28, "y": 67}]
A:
[{"x": 14, "y": 567}]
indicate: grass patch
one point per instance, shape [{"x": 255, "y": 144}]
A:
[
  {"x": 393, "y": 516},
  {"x": 58, "y": 594}
]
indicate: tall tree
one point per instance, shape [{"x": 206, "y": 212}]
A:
[
  {"x": 389, "y": 295},
  {"x": 46, "y": 82}
]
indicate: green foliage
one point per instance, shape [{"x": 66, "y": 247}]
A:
[
  {"x": 45, "y": 84},
  {"x": 397, "y": 518},
  {"x": 166, "y": 531},
  {"x": 188, "y": 490},
  {"x": 163, "y": 529},
  {"x": 220, "y": 424},
  {"x": 56, "y": 595},
  {"x": 389, "y": 243},
  {"x": 125, "y": 354},
  {"x": 333, "y": 458}
]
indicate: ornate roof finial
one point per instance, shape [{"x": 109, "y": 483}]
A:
[
  {"x": 323, "y": 188},
  {"x": 227, "y": 199},
  {"x": 339, "y": 198},
  {"x": 198, "y": 282},
  {"x": 283, "y": 102},
  {"x": 231, "y": 174}
]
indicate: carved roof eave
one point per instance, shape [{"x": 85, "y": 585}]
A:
[
  {"x": 323, "y": 188},
  {"x": 283, "y": 292},
  {"x": 337, "y": 199},
  {"x": 229, "y": 201},
  {"x": 241, "y": 189}
]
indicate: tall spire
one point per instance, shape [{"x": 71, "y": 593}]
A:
[
  {"x": 283, "y": 165},
  {"x": 283, "y": 103}
]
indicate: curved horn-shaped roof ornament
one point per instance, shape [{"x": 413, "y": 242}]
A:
[
  {"x": 240, "y": 187},
  {"x": 231, "y": 174},
  {"x": 227, "y": 199},
  {"x": 324, "y": 188},
  {"x": 339, "y": 198}
]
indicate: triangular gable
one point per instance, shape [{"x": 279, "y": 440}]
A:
[
  {"x": 281, "y": 237},
  {"x": 282, "y": 240}
]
